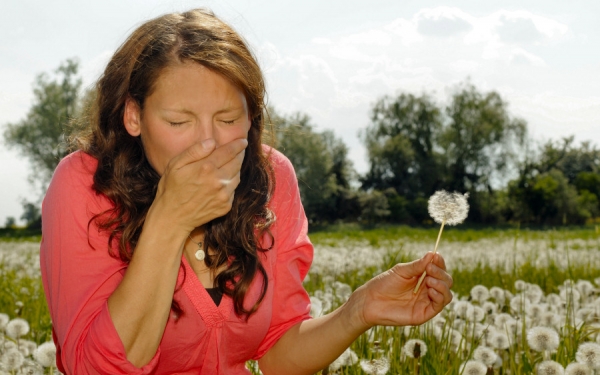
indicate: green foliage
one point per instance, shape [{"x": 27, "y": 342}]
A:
[
  {"x": 400, "y": 143},
  {"x": 41, "y": 136},
  {"x": 322, "y": 167}
]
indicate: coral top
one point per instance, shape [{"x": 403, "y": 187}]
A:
[{"x": 79, "y": 275}]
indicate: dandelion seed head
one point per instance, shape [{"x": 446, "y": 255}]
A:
[
  {"x": 45, "y": 354},
  {"x": 519, "y": 303},
  {"x": 520, "y": 285},
  {"x": 585, "y": 287},
  {"x": 550, "y": 368},
  {"x": 589, "y": 354},
  {"x": 12, "y": 359},
  {"x": 473, "y": 368},
  {"x": 499, "y": 340},
  {"x": 485, "y": 355},
  {"x": 489, "y": 307},
  {"x": 497, "y": 294},
  {"x": 375, "y": 366},
  {"x": 480, "y": 293},
  {"x": 347, "y": 358},
  {"x": 577, "y": 369},
  {"x": 316, "y": 307},
  {"x": 451, "y": 208},
  {"x": 17, "y": 328},
  {"x": 535, "y": 311},
  {"x": 543, "y": 339},
  {"x": 342, "y": 291},
  {"x": 533, "y": 293},
  {"x": 462, "y": 308},
  {"x": 4, "y": 319},
  {"x": 476, "y": 314},
  {"x": 414, "y": 348}
]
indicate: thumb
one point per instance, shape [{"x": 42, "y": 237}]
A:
[
  {"x": 195, "y": 152},
  {"x": 414, "y": 268}
]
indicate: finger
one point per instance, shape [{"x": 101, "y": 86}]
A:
[
  {"x": 440, "y": 274},
  {"x": 438, "y": 259},
  {"x": 195, "y": 152},
  {"x": 229, "y": 152},
  {"x": 438, "y": 291},
  {"x": 414, "y": 268}
]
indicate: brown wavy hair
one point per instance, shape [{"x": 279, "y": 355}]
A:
[{"x": 124, "y": 174}]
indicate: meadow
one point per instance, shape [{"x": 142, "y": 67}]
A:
[{"x": 525, "y": 301}]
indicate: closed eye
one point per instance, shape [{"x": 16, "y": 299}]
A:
[
  {"x": 177, "y": 123},
  {"x": 228, "y": 122}
]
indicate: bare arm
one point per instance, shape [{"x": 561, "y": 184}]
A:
[
  {"x": 190, "y": 193},
  {"x": 387, "y": 299}
]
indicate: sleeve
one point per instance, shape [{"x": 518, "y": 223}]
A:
[
  {"x": 79, "y": 275},
  {"x": 294, "y": 254}
]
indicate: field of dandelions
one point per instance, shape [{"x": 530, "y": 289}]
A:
[{"x": 525, "y": 302}]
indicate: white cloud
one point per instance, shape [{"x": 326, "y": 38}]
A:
[{"x": 442, "y": 21}]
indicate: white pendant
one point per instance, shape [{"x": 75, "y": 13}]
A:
[{"x": 199, "y": 254}]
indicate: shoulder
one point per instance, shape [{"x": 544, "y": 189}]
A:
[
  {"x": 282, "y": 166},
  {"x": 73, "y": 179},
  {"x": 76, "y": 167}
]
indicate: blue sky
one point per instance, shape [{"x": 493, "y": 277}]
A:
[{"x": 333, "y": 59}]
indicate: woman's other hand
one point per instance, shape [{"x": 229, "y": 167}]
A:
[{"x": 388, "y": 299}]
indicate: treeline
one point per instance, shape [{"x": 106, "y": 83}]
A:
[{"x": 414, "y": 144}]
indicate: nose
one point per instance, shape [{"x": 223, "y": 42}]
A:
[{"x": 204, "y": 130}]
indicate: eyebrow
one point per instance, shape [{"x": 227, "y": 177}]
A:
[{"x": 221, "y": 111}]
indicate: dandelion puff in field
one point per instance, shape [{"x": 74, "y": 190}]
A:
[
  {"x": 45, "y": 354},
  {"x": 589, "y": 354},
  {"x": 585, "y": 287},
  {"x": 489, "y": 307},
  {"x": 499, "y": 340},
  {"x": 520, "y": 285},
  {"x": 535, "y": 311},
  {"x": 473, "y": 368},
  {"x": 476, "y": 314},
  {"x": 17, "y": 328},
  {"x": 446, "y": 209},
  {"x": 498, "y": 294},
  {"x": 347, "y": 358},
  {"x": 461, "y": 308},
  {"x": 485, "y": 355},
  {"x": 480, "y": 293},
  {"x": 12, "y": 359},
  {"x": 519, "y": 303},
  {"x": 542, "y": 339},
  {"x": 577, "y": 369},
  {"x": 316, "y": 307},
  {"x": 414, "y": 348},
  {"x": 4, "y": 319},
  {"x": 550, "y": 368},
  {"x": 375, "y": 366}
]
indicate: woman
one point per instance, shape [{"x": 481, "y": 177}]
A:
[{"x": 174, "y": 242}]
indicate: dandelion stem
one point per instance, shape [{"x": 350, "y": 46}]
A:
[{"x": 437, "y": 242}]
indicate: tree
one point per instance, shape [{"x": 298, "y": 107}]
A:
[
  {"x": 322, "y": 166},
  {"x": 41, "y": 136},
  {"x": 400, "y": 142},
  {"x": 480, "y": 139}
]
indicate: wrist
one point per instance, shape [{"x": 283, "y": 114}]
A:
[{"x": 353, "y": 312}]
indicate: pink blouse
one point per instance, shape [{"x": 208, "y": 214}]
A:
[{"x": 79, "y": 275}]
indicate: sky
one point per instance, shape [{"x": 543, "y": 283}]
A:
[{"x": 333, "y": 59}]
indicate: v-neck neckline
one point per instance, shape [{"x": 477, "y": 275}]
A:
[{"x": 213, "y": 315}]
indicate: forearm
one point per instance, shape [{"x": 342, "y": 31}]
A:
[
  {"x": 141, "y": 304},
  {"x": 313, "y": 344}
]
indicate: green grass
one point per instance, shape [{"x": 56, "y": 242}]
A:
[{"x": 23, "y": 296}]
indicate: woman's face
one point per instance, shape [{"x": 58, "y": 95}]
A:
[{"x": 189, "y": 104}]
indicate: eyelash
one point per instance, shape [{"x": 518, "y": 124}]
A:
[
  {"x": 176, "y": 123},
  {"x": 229, "y": 122}
]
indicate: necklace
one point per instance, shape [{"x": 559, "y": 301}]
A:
[{"x": 200, "y": 255}]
